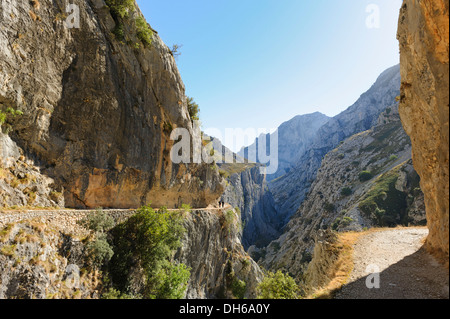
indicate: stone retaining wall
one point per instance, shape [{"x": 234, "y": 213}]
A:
[{"x": 65, "y": 220}]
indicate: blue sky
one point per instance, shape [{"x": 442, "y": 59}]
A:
[{"x": 258, "y": 63}]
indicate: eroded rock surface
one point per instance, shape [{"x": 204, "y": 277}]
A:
[{"x": 424, "y": 107}]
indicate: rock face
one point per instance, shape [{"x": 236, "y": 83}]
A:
[
  {"x": 343, "y": 199},
  {"x": 290, "y": 190},
  {"x": 213, "y": 249},
  {"x": 423, "y": 35},
  {"x": 248, "y": 191},
  {"x": 37, "y": 262},
  {"x": 294, "y": 138},
  {"x": 21, "y": 181},
  {"x": 97, "y": 112}
]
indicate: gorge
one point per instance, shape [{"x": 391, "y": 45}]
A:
[{"x": 86, "y": 116}]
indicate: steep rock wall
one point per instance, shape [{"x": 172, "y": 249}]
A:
[
  {"x": 97, "y": 111},
  {"x": 423, "y": 35},
  {"x": 248, "y": 191},
  {"x": 213, "y": 249}
]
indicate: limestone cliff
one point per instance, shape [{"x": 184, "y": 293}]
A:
[
  {"x": 98, "y": 107},
  {"x": 212, "y": 248},
  {"x": 247, "y": 190},
  {"x": 423, "y": 35}
]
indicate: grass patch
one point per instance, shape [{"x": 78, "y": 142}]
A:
[
  {"x": 8, "y": 250},
  {"x": 384, "y": 204},
  {"x": 340, "y": 270},
  {"x": 143, "y": 31}
]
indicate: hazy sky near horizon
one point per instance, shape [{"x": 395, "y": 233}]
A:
[{"x": 258, "y": 63}]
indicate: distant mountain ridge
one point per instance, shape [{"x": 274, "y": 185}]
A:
[
  {"x": 290, "y": 189},
  {"x": 294, "y": 138}
]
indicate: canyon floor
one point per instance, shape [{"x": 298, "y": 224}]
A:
[{"x": 406, "y": 270}]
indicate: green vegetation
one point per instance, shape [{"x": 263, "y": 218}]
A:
[
  {"x": 229, "y": 218},
  {"x": 384, "y": 204},
  {"x": 175, "y": 50},
  {"x": 99, "y": 250},
  {"x": 341, "y": 222},
  {"x": 7, "y": 115},
  {"x": 365, "y": 176},
  {"x": 8, "y": 250},
  {"x": 148, "y": 241},
  {"x": 238, "y": 288},
  {"x": 186, "y": 208},
  {"x": 329, "y": 207},
  {"x": 99, "y": 222},
  {"x": 143, "y": 31},
  {"x": 224, "y": 174},
  {"x": 119, "y": 32},
  {"x": 193, "y": 109},
  {"x": 278, "y": 286},
  {"x": 346, "y": 191},
  {"x": 120, "y": 8},
  {"x": 393, "y": 158}
]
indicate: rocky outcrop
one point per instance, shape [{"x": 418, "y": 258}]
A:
[
  {"x": 367, "y": 181},
  {"x": 290, "y": 190},
  {"x": 213, "y": 249},
  {"x": 248, "y": 191},
  {"x": 423, "y": 35},
  {"x": 39, "y": 262},
  {"x": 21, "y": 181},
  {"x": 42, "y": 255},
  {"x": 97, "y": 110}
]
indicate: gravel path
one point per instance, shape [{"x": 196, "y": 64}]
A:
[{"x": 405, "y": 270}]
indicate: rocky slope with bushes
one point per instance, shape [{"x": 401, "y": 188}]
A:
[
  {"x": 53, "y": 255},
  {"x": 367, "y": 181}
]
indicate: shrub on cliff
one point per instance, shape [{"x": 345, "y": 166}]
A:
[
  {"x": 365, "y": 176},
  {"x": 278, "y": 286},
  {"x": 346, "y": 191},
  {"x": 143, "y": 31},
  {"x": 6, "y": 115},
  {"x": 120, "y": 8},
  {"x": 147, "y": 241},
  {"x": 193, "y": 109},
  {"x": 98, "y": 248}
]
